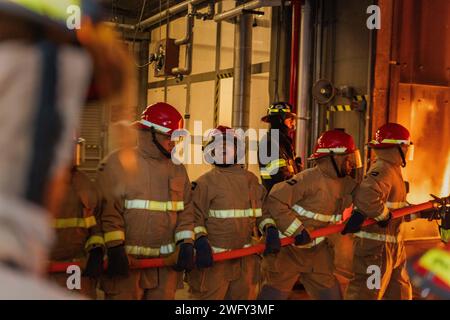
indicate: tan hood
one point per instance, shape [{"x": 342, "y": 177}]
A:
[
  {"x": 326, "y": 167},
  {"x": 390, "y": 155},
  {"x": 147, "y": 147}
]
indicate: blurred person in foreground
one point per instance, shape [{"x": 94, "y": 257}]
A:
[{"x": 45, "y": 73}]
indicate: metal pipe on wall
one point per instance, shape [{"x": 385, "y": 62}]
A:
[
  {"x": 178, "y": 8},
  {"x": 188, "y": 41},
  {"x": 240, "y": 9},
  {"x": 295, "y": 49},
  {"x": 242, "y": 71},
  {"x": 304, "y": 79}
]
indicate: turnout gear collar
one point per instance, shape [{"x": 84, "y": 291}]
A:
[
  {"x": 390, "y": 155},
  {"x": 147, "y": 147}
]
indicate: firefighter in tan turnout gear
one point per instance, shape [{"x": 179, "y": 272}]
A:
[
  {"x": 78, "y": 234},
  {"x": 147, "y": 211},
  {"x": 312, "y": 199},
  {"x": 228, "y": 207},
  {"x": 381, "y": 191}
]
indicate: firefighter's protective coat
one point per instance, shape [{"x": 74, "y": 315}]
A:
[
  {"x": 146, "y": 205},
  {"x": 381, "y": 191},
  {"x": 228, "y": 208},
  {"x": 77, "y": 227},
  {"x": 312, "y": 199}
]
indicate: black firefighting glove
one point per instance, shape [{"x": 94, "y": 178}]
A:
[
  {"x": 185, "y": 257},
  {"x": 354, "y": 223},
  {"x": 273, "y": 243},
  {"x": 384, "y": 223},
  {"x": 94, "y": 264},
  {"x": 118, "y": 264},
  {"x": 203, "y": 253},
  {"x": 302, "y": 238}
]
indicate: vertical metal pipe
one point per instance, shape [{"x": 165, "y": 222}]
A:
[
  {"x": 143, "y": 75},
  {"x": 304, "y": 97},
  {"x": 295, "y": 49},
  {"x": 242, "y": 71}
]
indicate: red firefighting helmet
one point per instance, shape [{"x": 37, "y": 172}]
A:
[
  {"x": 390, "y": 135},
  {"x": 220, "y": 130},
  {"x": 335, "y": 142},
  {"x": 282, "y": 109},
  {"x": 161, "y": 116}
]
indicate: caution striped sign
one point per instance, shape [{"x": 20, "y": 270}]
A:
[
  {"x": 219, "y": 77},
  {"x": 358, "y": 104},
  {"x": 224, "y": 75},
  {"x": 341, "y": 107}
]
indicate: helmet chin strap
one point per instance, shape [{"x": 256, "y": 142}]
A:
[
  {"x": 158, "y": 145},
  {"x": 402, "y": 155},
  {"x": 338, "y": 172}
]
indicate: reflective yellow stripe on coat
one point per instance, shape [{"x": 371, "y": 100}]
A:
[
  {"x": 334, "y": 218},
  {"x": 63, "y": 223},
  {"x": 272, "y": 167},
  {"x": 150, "y": 252},
  {"x": 154, "y": 205},
  {"x": 236, "y": 213}
]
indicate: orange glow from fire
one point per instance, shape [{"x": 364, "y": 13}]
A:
[
  {"x": 445, "y": 191},
  {"x": 425, "y": 112}
]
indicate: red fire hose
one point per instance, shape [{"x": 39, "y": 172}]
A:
[{"x": 55, "y": 267}]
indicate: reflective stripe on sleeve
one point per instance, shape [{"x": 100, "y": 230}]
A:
[
  {"x": 384, "y": 215},
  {"x": 265, "y": 222},
  {"x": 150, "y": 252},
  {"x": 293, "y": 227},
  {"x": 200, "y": 229},
  {"x": 317, "y": 216},
  {"x": 94, "y": 240},
  {"x": 272, "y": 167},
  {"x": 186, "y": 234},
  {"x": 376, "y": 236},
  {"x": 114, "y": 236},
  {"x": 62, "y": 223}
]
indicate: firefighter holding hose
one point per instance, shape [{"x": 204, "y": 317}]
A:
[
  {"x": 147, "y": 210},
  {"x": 77, "y": 228},
  {"x": 381, "y": 191},
  {"x": 312, "y": 199},
  {"x": 228, "y": 206}
]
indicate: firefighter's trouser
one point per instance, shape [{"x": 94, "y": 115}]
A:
[
  {"x": 379, "y": 271},
  {"x": 88, "y": 286},
  {"x": 235, "y": 279},
  {"x": 144, "y": 284},
  {"x": 315, "y": 266}
]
